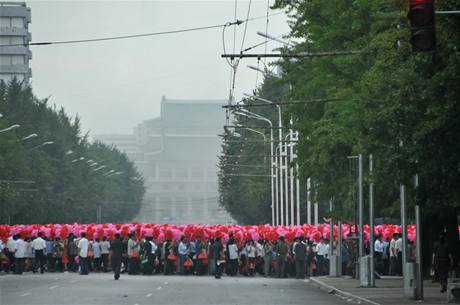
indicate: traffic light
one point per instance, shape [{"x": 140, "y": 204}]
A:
[{"x": 421, "y": 16}]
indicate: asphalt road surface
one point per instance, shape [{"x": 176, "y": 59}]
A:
[{"x": 96, "y": 289}]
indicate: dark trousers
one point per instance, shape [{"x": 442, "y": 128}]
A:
[
  {"x": 280, "y": 266},
  {"x": 105, "y": 262},
  {"x": 378, "y": 262},
  {"x": 19, "y": 265},
  {"x": 399, "y": 265},
  {"x": 40, "y": 261},
  {"x": 300, "y": 269},
  {"x": 116, "y": 266},
  {"x": 133, "y": 265},
  {"x": 97, "y": 263},
  {"x": 321, "y": 268},
  {"x": 11, "y": 260},
  {"x": 233, "y": 266},
  {"x": 84, "y": 265},
  {"x": 393, "y": 265},
  {"x": 218, "y": 270}
]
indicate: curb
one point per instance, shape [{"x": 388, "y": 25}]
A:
[{"x": 333, "y": 290}]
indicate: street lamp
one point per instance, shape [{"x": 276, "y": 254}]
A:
[
  {"x": 69, "y": 152},
  {"x": 249, "y": 114},
  {"x": 78, "y": 159},
  {"x": 109, "y": 172},
  {"x": 43, "y": 144},
  {"x": 10, "y": 128},
  {"x": 32, "y": 135},
  {"x": 279, "y": 160},
  {"x": 99, "y": 168}
]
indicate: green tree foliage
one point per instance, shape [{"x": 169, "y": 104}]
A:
[
  {"x": 65, "y": 188},
  {"x": 401, "y": 106}
]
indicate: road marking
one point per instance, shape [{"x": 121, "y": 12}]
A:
[
  {"x": 159, "y": 288},
  {"x": 53, "y": 287},
  {"x": 25, "y": 294},
  {"x": 149, "y": 295},
  {"x": 166, "y": 283},
  {"x": 136, "y": 304}
]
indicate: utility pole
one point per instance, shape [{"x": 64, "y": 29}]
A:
[
  {"x": 361, "y": 206},
  {"x": 371, "y": 221},
  {"x": 308, "y": 201}
]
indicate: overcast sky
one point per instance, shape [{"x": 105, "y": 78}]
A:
[{"x": 115, "y": 85}]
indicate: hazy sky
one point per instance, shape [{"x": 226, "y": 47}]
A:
[{"x": 115, "y": 85}]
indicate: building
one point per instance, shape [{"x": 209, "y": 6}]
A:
[
  {"x": 177, "y": 154},
  {"x": 14, "y": 38}
]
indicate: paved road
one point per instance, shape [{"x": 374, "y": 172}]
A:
[{"x": 97, "y": 289}]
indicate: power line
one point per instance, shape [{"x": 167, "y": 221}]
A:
[{"x": 237, "y": 22}]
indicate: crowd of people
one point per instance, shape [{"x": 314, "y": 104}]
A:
[
  {"x": 132, "y": 254},
  {"x": 281, "y": 258}
]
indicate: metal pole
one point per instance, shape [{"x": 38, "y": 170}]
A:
[
  {"x": 291, "y": 159},
  {"x": 308, "y": 201},
  {"x": 297, "y": 189},
  {"x": 339, "y": 248},
  {"x": 277, "y": 178},
  {"x": 281, "y": 184},
  {"x": 316, "y": 213},
  {"x": 361, "y": 207},
  {"x": 280, "y": 138},
  {"x": 418, "y": 241},
  {"x": 286, "y": 184},
  {"x": 404, "y": 228},
  {"x": 273, "y": 176},
  {"x": 371, "y": 220}
]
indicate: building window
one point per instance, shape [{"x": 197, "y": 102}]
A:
[
  {"x": 181, "y": 187},
  {"x": 197, "y": 172},
  {"x": 181, "y": 173},
  {"x": 165, "y": 186},
  {"x": 5, "y": 22},
  {"x": 17, "y": 59},
  {"x": 17, "y": 22}
]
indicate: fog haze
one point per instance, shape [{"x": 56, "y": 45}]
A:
[{"x": 114, "y": 85}]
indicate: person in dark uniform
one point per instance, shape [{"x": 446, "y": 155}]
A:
[
  {"x": 116, "y": 255},
  {"x": 442, "y": 258},
  {"x": 218, "y": 253},
  {"x": 300, "y": 252}
]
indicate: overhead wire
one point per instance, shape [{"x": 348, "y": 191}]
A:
[{"x": 76, "y": 41}]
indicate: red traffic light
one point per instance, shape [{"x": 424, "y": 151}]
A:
[{"x": 421, "y": 16}]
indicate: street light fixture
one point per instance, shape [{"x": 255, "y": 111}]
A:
[
  {"x": 10, "y": 128},
  {"x": 43, "y": 144},
  {"x": 99, "y": 168},
  {"x": 32, "y": 135},
  {"x": 249, "y": 114}
]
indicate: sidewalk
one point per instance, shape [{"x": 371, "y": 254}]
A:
[{"x": 388, "y": 290}]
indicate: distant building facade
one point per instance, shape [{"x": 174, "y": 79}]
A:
[
  {"x": 177, "y": 154},
  {"x": 14, "y": 37}
]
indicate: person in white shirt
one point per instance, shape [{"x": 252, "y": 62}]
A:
[
  {"x": 232, "y": 250},
  {"x": 19, "y": 255},
  {"x": 83, "y": 246},
  {"x": 9, "y": 249},
  {"x": 321, "y": 253},
  {"x": 393, "y": 254},
  {"x": 399, "y": 249},
  {"x": 378, "y": 252},
  {"x": 251, "y": 251},
  {"x": 39, "y": 246},
  {"x": 105, "y": 247}
]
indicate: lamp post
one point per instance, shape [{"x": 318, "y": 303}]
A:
[
  {"x": 10, "y": 128},
  {"x": 261, "y": 118},
  {"x": 32, "y": 135},
  {"x": 43, "y": 144},
  {"x": 277, "y": 161}
]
